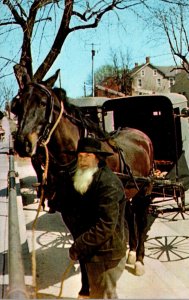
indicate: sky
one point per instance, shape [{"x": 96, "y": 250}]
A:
[{"x": 128, "y": 35}]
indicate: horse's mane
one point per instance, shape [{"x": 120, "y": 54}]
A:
[{"x": 77, "y": 112}]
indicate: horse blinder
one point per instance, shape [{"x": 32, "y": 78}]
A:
[{"x": 48, "y": 113}]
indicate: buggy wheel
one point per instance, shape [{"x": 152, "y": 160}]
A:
[{"x": 167, "y": 248}]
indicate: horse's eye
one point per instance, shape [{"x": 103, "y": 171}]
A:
[{"x": 43, "y": 102}]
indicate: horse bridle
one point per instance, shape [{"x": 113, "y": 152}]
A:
[
  {"x": 48, "y": 113},
  {"x": 49, "y": 127}
]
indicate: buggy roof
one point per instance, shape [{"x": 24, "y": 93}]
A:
[
  {"x": 177, "y": 100},
  {"x": 89, "y": 101},
  {"x": 147, "y": 102}
]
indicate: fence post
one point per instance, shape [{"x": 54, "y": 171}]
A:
[{"x": 17, "y": 288}]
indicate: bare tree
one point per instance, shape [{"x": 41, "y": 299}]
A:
[
  {"x": 118, "y": 72},
  {"x": 103, "y": 72},
  {"x": 75, "y": 15},
  {"x": 6, "y": 95},
  {"x": 33, "y": 16},
  {"x": 172, "y": 20},
  {"x": 121, "y": 64}
]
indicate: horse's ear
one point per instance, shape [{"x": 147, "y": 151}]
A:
[
  {"x": 51, "y": 81},
  {"x": 22, "y": 76}
]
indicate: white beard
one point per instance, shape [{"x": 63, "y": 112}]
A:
[{"x": 83, "y": 178}]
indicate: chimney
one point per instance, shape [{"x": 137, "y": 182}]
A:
[
  {"x": 136, "y": 65},
  {"x": 147, "y": 59}
]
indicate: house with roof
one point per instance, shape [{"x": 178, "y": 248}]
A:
[
  {"x": 150, "y": 79},
  {"x": 145, "y": 79}
]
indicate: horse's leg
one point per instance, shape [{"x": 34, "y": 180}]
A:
[
  {"x": 84, "y": 291},
  {"x": 53, "y": 202},
  {"x": 130, "y": 219},
  {"x": 39, "y": 172},
  {"x": 141, "y": 205}
]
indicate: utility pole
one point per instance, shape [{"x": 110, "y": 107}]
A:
[
  {"x": 84, "y": 89},
  {"x": 93, "y": 54}
]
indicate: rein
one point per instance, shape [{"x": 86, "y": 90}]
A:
[
  {"x": 44, "y": 144},
  {"x": 55, "y": 125},
  {"x": 43, "y": 141}
]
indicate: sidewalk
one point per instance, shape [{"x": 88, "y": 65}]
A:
[{"x": 166, "y": 260}]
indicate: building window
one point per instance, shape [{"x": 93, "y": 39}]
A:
[
  {"x": 156, "y": 113},
  {"x": 139, "y": 82},
  {"x": 142, "y": 73},
  {"x": 171, "y": 81},
  {"x": 155, "y": 72},
  {"x": 158, "y": 82}
]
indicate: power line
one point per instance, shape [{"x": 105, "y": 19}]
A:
[{"x": 153, "y": 56}]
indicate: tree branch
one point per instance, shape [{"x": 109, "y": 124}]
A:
[
  {"x": 19, "y": 20},
  {"x": 91, "y": 16},
  {"x": 58, "y": 42}
]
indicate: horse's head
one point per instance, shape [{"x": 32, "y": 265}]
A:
[{"x": 34, "y": 107}]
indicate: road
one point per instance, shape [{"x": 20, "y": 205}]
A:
[{"x": 166, "y": 260}]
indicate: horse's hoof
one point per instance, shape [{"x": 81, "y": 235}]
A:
[
  {"x": 83, "y": 293},
  {"x": 36, "y": 200},
  {"x": 51, "y": 210},
  {"x": 36, "y": 184},
  {"x": 139, "y": 268},
  {"x": 131, "y": 258},
  {"x": 82, "y": 297}
]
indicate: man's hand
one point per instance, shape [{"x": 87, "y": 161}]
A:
[{"x": 72, "y": 253}]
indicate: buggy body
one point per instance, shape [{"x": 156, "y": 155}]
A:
[{"x": 161, "y": 118}]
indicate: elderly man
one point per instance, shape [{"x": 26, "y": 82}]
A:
[{"x": 94, "y": 211}]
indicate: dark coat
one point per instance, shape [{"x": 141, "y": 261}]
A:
[
  {"x": 96, "y": 219},
  {"x": 1, "y": 115}
]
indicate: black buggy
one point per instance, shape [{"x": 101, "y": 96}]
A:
[{"x": 164, "y": 118}]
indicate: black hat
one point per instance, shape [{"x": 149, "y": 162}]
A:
[{"x": 90, "y": 145}]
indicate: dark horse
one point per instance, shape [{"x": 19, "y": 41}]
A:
[{"x": 39, "y": 110}]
